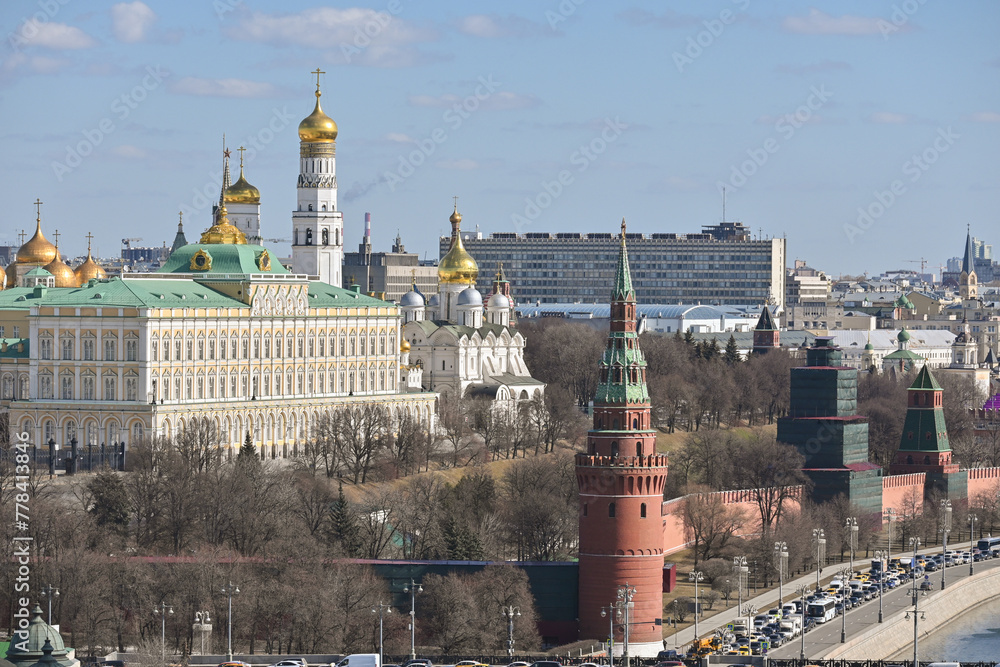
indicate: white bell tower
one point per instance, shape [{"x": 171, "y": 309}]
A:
[{"x": 317, "y": 225}]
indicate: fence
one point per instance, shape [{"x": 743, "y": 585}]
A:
[{"x": 77, "y": 458}]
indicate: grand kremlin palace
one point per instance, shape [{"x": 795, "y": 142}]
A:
[{"x": 221, "y": 331}]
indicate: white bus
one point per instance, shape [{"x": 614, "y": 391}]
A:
[{"x": 822, "y": 610}]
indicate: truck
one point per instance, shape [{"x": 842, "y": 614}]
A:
[
  {"x": 793, "y": 623},
  {"x": 360, "y": 660}
]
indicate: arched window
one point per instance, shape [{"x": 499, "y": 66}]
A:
[
  {"x": 642, "y": 510},
  {"x": 638, "y": 449},
  {"x": 326, "y": 237},
  {"x": 611, "y": 510},
  {"x": 309, "y": 233},
  {"x": 614, "y": 448}
]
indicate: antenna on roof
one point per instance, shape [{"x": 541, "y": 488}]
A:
[{"x": 723, "y": 203}]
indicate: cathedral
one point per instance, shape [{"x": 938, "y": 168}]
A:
[
  {"x": 221, "y": 331},
  {"x": 463, "y": 346}
]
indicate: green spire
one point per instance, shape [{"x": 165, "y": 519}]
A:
[{"x": 623, "y": 277}]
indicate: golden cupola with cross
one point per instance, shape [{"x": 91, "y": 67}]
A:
[
  {"x": 60, "y": 270},
  {"x": 36, "y": 252},
  {"x": 89, "y": 270}
]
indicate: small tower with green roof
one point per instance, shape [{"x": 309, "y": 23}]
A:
[{"x": 923, "y": 444}]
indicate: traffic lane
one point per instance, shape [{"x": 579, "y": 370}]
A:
[{"x": 827, "y": 635}]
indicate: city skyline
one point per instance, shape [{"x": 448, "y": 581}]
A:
[{"x": 896, "y": 117}]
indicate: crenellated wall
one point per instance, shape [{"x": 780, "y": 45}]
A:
[
  {"x": 983, "y": 481},
  {"x": 899, "y": 491}
]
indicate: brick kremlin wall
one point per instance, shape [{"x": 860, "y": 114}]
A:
[
  {"x": 984, "y": 481},
  {"x": 899, "y": 491}
]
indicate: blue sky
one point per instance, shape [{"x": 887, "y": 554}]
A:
[{"x": 866, "y": 132}]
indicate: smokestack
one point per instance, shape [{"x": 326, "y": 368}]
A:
[{"x": 368, "y": 226}]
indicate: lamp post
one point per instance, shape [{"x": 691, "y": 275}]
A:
[
  {"x": 845, "y": 574},
  {"x": 852, "y": 534},
  {"x": 230, "y": 590},
  {"x": 945, "y": 529},
  {"x": 609, "y": 611},
  {"x": 203, "y": 624},
  {"x": 890, "y": 516},
  {"x": 48, "y": 591},
  {"x": 781, "y": 564},
  {"x": 882, "y": 556},
  {"x": 696, "y": 577},
  {"x": 819, "y": 547},
  {"x": 917, "y": 614},
  {"x": 380, "y": 610},
  {"x": 741, "y": 570},
  {"x": 802, "y": 631},
  {"x": 749, "y": 612},
  {"x": 972, "y": 530},
  {"x": 509, "y": 613},
  {"x": 163, "y": 610},
  {"x": 625, "y": 595},
  {"x": 413, "y": 588}
]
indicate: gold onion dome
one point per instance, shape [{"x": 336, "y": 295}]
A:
[
  {"x": 457, "y": 266},
  {"x": 317, "y": 127},
  {"x": 223, "y": 232},
  {"x": 37, "y": 250},
  {"x": 88, "y": 270},
  {"x": 404, "y": 345},
  {"x": 61, "y": 271},
  {"x": 10, "y": 276},
  {"x": 241, "y": 192}
]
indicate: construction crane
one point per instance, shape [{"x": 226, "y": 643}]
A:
[
  {"x": 129, "y": 241},
  {"x": 278, "y": 240},
  {"x": 922, "y": 262}
]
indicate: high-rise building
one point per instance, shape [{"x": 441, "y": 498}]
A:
[
  {"x": 722, "y": 265},
  {"x": 621, "y": 480}
]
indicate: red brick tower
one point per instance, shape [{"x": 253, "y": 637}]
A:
[
  {"x": 621, "y": 480},
  {"x": 766, "y": 335}
]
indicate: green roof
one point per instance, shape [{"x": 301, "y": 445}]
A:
[
  {"x": 324, "y": 295},
  {"x": 128, "y": 293},
  {"x": 925, "y": 381},
  {"x": 430, "y": 326},
  {"x": 38, "y": 272},
  {"x": 622, "y": 290},
  {"x": 226, "y": 259},
  {"x": 12, "y": 352},
  {"x": 903, "y": 354}
]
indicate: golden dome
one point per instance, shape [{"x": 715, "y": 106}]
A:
[
  {"x": 317, "y": 127},
  {"x": 88, "y": 270},
  {"x": 404, "y": 345},
  {"x": 223, "y": 232},
  {"x": 457, "y": 266},
  {"x": 64, "y": 275},
  {"x": 241, "y": 192},
  {"x": 37, "y": 250},
  {"x": 9, "y": 276}
]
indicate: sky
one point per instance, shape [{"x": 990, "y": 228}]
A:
[{"x": 866, "y": 133}]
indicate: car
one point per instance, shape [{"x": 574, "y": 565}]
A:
[
  {"x": 926, "y": 585},
  {"x": 546, "y": 663},
  {"x": 290, "y": 662},
  {"x": 518, "y": 663},
  {"x": 931, "y": 566},
  {"x": 418, "y": 662},
  {"x": 233, "y": 663},
  {"x": 667, "y": 663},
  {"x": 473, "y": 663}
]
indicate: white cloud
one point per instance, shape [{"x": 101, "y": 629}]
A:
[
  {"x": 821, "y": 23},
  {"x": 131, "y": 20},
  {"x": 399, "y": 138},
  {"x": 985, "y": 117},
  {"x": 58, "y": 36},
  {"x": 491, "y": 26},
  {"x": 889, "y": 117},
  {"x": 35, "y": 64},
  {"x": 353, "y": 35},
  {"x": 500, "y": 101},
  {"x": 129, "y": 151},
  {"x": 192, "y": 85},
  {"x": 463, "y": 164}
]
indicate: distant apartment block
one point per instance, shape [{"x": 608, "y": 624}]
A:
[{"x": 722, "y": 265}]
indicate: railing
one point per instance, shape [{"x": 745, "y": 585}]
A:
[
  {"x": 88, "y": 458},
  {"x": 651, "y": 461}
]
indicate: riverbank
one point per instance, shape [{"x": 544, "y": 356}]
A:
[
  {"x": 937, "y": 608},
  {"x": 973, "y": 636}
]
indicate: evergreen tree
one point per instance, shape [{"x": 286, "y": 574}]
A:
[
  {"x": 343, "y": 529},
  {"x": 110, "y": 505},
  {"x": 689, "y": 337},
  {"x": 711, "y": 350},
  {"x": 248, "y": 451},
  {"x": 732, "y": 354}
]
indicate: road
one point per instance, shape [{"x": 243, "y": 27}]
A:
[{"x": 822, "y": 639}]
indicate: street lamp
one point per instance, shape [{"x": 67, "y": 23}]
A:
[
  {"x": 802, "y": 630},
  {"x": 972, "y": 531},
  {"x": 625, "y": 595},
  {"x": 230, "y": 590},
  {"x": 852, "y": 533},
  {"x": 609, "y": 611},
  {"x": 382, "y": 608},
  {"x": 781, "y": 564},
  {"x": 945, "y": 529},
  {"x": 413, "y": 588},
  {"x": 819, "y": 547},
  {"x": 917, "y": 614},
  {"x": 203, "y": 624},
  {"x": 882, "y": 556},
  {"x": 48, "y": 591},
  {"x": 696, "y": 577},
  {"x": 163, "y": 610},
  {"x": 509, "y": 613},
  {"x": 845, "y": 574},
  {"x": 890, "y": 516},
  {"x": 741, "y": 570}
]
